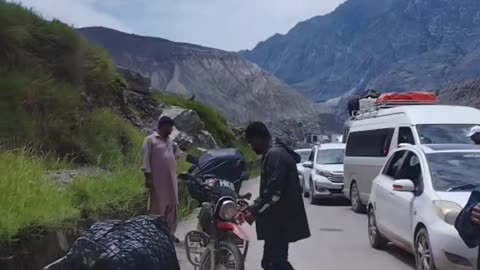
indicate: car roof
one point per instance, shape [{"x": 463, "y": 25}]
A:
[
  {"x": 332, "y": 146},
  {"x": 442, "y": 148},
  {"x": 429, "y": 114}
]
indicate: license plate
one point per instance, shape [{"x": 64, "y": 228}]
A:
[{"x": 224, "y": 183}]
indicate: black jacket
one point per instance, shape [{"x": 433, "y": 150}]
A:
[
  {"x": 469, "y": 231},
  {"x": 279, "y": 209}
]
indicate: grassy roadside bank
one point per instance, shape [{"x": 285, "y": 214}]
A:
[{"x": 62, "y": 97}]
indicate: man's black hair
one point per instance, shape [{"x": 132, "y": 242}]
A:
[
  {"x": 165, "y": 121},
  {"x": 257, "y": 130}
]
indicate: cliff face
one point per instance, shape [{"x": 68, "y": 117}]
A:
[
  {"x": 237, "y": 88},
  {"x": 391, "y": 45}
]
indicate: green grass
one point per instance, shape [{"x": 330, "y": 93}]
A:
[
  {"x": 121, "y": 192},
  {"x": 28, "y": 198},
  {"x": 214, "y": 122},
  {"x": 54, "y": 50},
  {"x": 109, "y": 141}
]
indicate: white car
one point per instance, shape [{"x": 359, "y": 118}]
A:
[
  {"x": 416, "y": 199},
  {"x": 304, "y": 154},
  {"x": 373, "y": 135},
  {"x": 324, "y": 172}
]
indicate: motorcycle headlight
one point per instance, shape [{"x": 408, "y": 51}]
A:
[
  {"x": 228, "y": 210},
  {"x": 447, "y": 211},
  {"x": 324, "y": 173}
]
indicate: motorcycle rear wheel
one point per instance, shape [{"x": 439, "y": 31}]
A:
[{"x": 228, "y": 257}]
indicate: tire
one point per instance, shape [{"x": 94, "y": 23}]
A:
[
  {"x": 423, "y": 251},
  {"x": 355, "y": 200},
  {"x": 377, "y": 241},
  {"x": 310, "y": 195},
  {"x": 226, "y": 247}
]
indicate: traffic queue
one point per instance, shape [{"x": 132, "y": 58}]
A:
[{"x": 412, "y": 166}]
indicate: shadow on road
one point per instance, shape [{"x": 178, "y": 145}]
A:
[
  {"x": 405, "y": 257},
  {"x": 333, "y": 202}
]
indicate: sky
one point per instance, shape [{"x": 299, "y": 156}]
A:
[{"x": 225, "y": 24}]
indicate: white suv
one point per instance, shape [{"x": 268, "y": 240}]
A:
[
  {"x": 324, "y": 172},
  {"x": 416, "y": 199}
]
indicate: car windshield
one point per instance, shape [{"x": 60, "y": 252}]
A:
[
  {"x": 304, "y": 154},
  {"x": 444, "y": 134},
  {"x": 330, "y": 156},
  {"x": 455, "y": 171}
]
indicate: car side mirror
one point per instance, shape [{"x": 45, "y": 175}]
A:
[
  {"x": 308, "y": 164},
  {"x": 403, "y": 185}
]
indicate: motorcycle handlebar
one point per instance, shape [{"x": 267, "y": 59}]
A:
[{"x": 247, "y": 196}]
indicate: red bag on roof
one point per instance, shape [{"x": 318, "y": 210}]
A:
[{"x": 410, "y": 97}]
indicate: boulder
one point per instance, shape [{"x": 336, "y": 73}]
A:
[
  {"x": 141, "y": 110},
  {"x": 238, "y": 131},
  {"x": 202, "y": 139},
  {"x": 183, "y": 140},
  {"x": 136, "y": 82},
  {"x": 206, "y": 140},
  {"x": 185, "y": 120}
]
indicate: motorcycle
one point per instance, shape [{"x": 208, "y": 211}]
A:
[{"x": 219, "y": 242}]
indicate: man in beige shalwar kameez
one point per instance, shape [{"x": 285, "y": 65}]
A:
[{"x": 159, "y": 165}]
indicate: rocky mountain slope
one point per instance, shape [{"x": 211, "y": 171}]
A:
[
  {"x": 237, "y": 88},
  {"x": 392, "y": 45},
  {"x": 467, "y": 93}
]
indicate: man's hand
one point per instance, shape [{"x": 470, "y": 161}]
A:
[
  {"x": 148, "y": 180},
  {"x": 476, "y": 214},
  {"x": 249, "y": 217}
]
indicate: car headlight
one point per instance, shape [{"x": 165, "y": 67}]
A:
[
  {"x": 447, "y": 211},
  {"x": 228, "y": 210},
  {"x": 324, "y": 173}
]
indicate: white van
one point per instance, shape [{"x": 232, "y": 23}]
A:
[{"x": 371, "y": 136}]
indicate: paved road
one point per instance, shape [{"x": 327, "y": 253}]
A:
[{"x": 339, "y": 241}]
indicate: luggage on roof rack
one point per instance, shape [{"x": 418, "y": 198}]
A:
[
  {"x": 389, "y": 100},
  {"x": 410, "y": 98}
]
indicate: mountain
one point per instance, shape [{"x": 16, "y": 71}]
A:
[
  {"x": 237, "y": 88},
  {"x": 391, "y": 45},
  {"x": 466, "y": 94}
]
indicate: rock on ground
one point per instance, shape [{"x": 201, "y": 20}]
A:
[
  {"x": 136, "y": 82},
  {"x": 188, "y": 129},
  {"x": 67, "y": 176}
]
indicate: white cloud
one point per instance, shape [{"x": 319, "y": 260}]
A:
[{"x": 225, "y": 24}]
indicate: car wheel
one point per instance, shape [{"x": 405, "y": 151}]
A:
[
  {"x": 423, "y": 251},
  {"x": 357, "y": 205},
  {"x": 377, "y": 241},
  {"x": 310, "y": 195}
]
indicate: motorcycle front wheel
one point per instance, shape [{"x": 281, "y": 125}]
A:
[{"x": 228, "y": 257}]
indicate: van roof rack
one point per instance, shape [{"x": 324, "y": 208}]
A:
[
  {"x": 373, "y": 111},
  {"x": 392, "y": 100}
]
